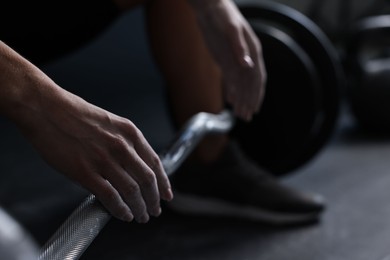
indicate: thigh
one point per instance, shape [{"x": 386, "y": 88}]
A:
[{"x": 45, "y": 30}]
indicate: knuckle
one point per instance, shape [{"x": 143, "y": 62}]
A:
[
  {"x": 131, "y": 190},
  {"x": 127, "y": 123},
  {"x": 232, "y": 27},
  {"x": 107, "y": 194},
  {"x": 155, "y": 163},
  {"x": 233, "y": 32},
  {"x": 119, "y": 144},
  {"x": 130, "y": 129},
  {"x": 110, "y": 199},
  {"x": 148, "y": 179}
]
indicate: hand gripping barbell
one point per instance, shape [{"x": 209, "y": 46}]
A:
[{"x": 79, "y": 230}]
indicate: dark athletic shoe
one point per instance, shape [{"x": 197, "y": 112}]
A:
[{"x": 236, "y": 187}]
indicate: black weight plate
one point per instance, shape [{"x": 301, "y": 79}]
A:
[
  {"x": 366, "y": 34},
  {"x": 320, "y": 50},
  {"x": 366, "y": 38},
  {"x": 367, "y": 65},
  {"x": 291, "y": 104}
]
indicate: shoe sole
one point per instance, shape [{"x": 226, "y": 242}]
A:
[{"x": 194, "y": 205}]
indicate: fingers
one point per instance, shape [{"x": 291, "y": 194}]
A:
[
  {"x": 247, "y": 103},
  {"x": 145, "y": 180},
  {"x": 123, "y": 196},
  {"x": 147, "y": 154},
  {"x": 110, "y": 198},
  {"x": 240, "y": 48},
  {"x": 233, "y": 98},
  {"x": 137, "y": 177},
  {"x": 260, "y": 74},
  {"x": 135, "y": 194},
  {"x": 145, "y": 186},
  {"x": 236, "y": 49},
  {"x": 249, "y": 82},
  {"x": 145, "y": 168}
]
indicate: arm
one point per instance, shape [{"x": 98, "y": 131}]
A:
[
  {"x": 104, "y": 153},
  {"x": 237, "y": 50}
]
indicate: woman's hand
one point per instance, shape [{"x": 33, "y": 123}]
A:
[{"x": 237, "y": 50}]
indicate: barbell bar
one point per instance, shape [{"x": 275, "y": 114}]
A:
[{"x": 79, "y": 230}]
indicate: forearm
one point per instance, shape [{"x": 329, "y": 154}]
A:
[
  {"x": 24, "y": 88},
  {"x": 82, "y": 141}
]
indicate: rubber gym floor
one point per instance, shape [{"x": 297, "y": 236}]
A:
[{"x": 351, "y": 172}]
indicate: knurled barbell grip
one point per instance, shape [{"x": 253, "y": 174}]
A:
[{"x": 79, "y": 230}]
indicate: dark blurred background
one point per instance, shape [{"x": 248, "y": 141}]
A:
[{"x": 116, "y": 71}]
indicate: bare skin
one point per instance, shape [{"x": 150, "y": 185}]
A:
[
  {"x": 103, "y": 152},
  {"x": 201, "y": 75},
  {"x": 237, "y": 51},
  {"x": 107, "y": 154}
]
